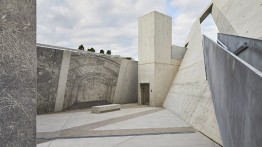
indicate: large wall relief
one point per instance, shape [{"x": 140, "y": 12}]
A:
[{"x": 91, "y": 78}]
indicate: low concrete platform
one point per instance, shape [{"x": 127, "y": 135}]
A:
[
  {"x": 133, "y": 125},
  {"x": 106, "y": 108}
]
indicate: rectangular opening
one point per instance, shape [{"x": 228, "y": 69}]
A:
[{"x": 145, "y": 93}]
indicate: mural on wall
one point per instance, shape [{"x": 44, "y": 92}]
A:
[
  {"x": 91, "y": 78},
  {"x": 48, "y": 69}
]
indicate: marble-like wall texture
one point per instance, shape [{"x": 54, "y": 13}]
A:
[
  {"x": 91, "y": 78},
  {"x": 17, "y": 73},
  {"x": 48, "y": 70}
]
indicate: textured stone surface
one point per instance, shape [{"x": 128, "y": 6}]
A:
[
  {"x": 91, "y": 78},
  {"x": 17, "y": 73},
  {"x": 48, "y": 70},
  {"x": 236, "y": 89},
  {"x": 69, "y": 77}
]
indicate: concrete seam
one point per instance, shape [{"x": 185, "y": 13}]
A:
[{"x": 124, "y": 141}]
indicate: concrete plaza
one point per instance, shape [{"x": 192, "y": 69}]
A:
[{"x": 133, "y": 125}]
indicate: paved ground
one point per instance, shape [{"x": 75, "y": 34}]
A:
[{"x": 131, "y": 126}]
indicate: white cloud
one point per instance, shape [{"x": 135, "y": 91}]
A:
[
  {"x": 105, "y": 24},
  {"x": 187, "y": 11}
]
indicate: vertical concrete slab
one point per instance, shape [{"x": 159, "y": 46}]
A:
[
  {"x": 17, "y": 73},
  {"x": 126, "y": 88},
  {"x": 62, "y": 81}
]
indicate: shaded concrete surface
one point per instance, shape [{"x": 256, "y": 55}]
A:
[
  {"x": 133, "y": 125},
  {"x": 248, "y": 49},
  {"x": 236, "y": 88}
]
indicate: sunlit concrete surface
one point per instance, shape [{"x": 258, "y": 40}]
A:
[
  {"x": 133, "y": 125},
  {"x": 59, "y": 121},
  {"x": 164, "y": 140}
]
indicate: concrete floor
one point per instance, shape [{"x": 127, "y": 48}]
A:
[{"x": 131, "y": 126}]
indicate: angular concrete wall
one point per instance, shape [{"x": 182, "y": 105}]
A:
[
  {"x": 17, "y": 73},
  {"x": 189, "y": 96},
  {"x": 236, "y": 17},
  {"x": 237, "y": 90}
]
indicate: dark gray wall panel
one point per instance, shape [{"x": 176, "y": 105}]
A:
[
  {"x": 252, "y": 52},
  {"x": 17, "y": 73},
  {"x": 48, "y": 70},
  {"x": 236, "y": 89}
]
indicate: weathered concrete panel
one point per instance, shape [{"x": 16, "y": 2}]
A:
[
  {"x": 236, "y": 89},
  {"x": 48, "y": 70},
  {"x": 189, "y": 96},
  {"x": 17, "y": 73}
]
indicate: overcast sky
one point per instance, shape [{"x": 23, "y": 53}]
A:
[{"x": 112, "y": 24}]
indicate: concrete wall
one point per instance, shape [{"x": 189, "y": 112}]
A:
[
  {"x": 177, "y": 52},
  {"x": 126, "y": 88},
  {"x": 236, "y": 89},
  {"x": 154, "y": 55},
  {"x": 189, "y": 96},
  {"x": 243, "y": 16},
  {"x": 17, "y": 73},
  {"x": 48, "y": 70},
  {"x": 67, "y": 77}
]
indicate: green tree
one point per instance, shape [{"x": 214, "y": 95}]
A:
[
  {"x": 108, "y": 52},
  {"x": 81, "y": 47},
  {"x": 102, "y": 51},
  {"x": 91, "y": 50}
]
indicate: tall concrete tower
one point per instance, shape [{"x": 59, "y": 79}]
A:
[{"x": 155, "y": 70}]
